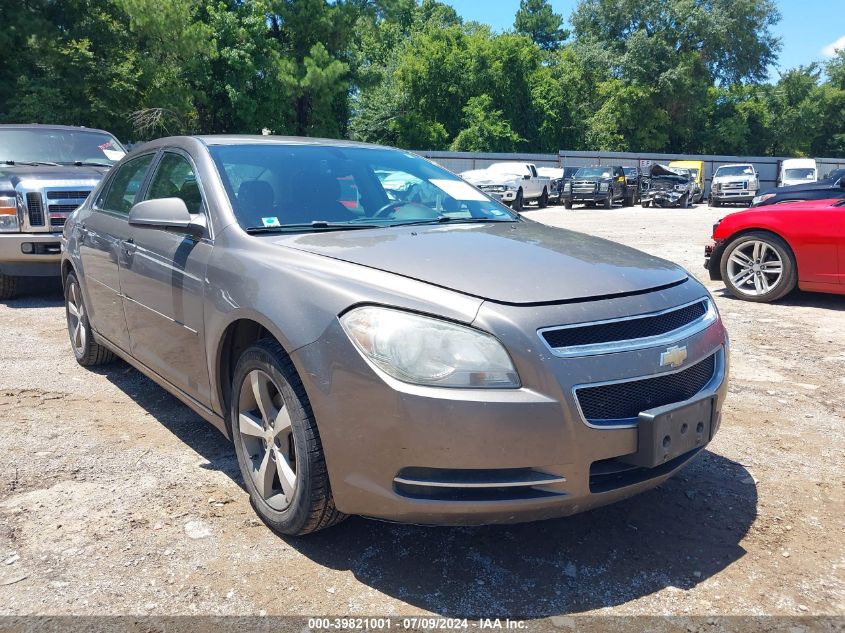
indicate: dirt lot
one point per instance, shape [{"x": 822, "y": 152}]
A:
[{"x": 115, "y": 498}]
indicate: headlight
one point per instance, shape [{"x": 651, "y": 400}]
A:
[
  {"x": 428, "y": 351},
  {"x": 760, "y": 199},
  {"x": 8, "y": 215},
  {"x": 604, "y": 186},
  {"x": 567, "y": 186},
  {"x": 680, "y": 187}
]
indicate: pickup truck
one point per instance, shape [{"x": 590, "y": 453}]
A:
[
  {"x": 46, "y": 172},
  {"x": 512, "y": 183},
  {"x": 734, "y": 183},
  {"x": 599, "y": 185}
]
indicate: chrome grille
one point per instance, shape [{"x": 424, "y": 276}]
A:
[
  {"x": 62, "y": 202},
  {"x": 583, "y": 186},
  {"x": 624, "y": 401},
  {"x": 68, "y": 195},
  {"x": 626, "y": 329}
]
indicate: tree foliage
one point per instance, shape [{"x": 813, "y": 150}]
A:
[{"x": 641, "y": 75}]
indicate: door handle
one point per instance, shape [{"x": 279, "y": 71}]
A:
[{"x": 128, "y": 246}]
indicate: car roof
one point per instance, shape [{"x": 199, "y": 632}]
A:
[
  {"x": 736, "y": 165},
  {"x": 43, "y": 126}
]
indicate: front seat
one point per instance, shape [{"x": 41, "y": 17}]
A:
[
  {"x": 256, "y": 200},
  {"x": 321, "y": 199}
]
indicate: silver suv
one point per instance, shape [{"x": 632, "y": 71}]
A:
[{"x": 428, "y": 359}]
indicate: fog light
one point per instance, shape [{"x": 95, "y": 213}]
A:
[{"x": 26, "y": 247}]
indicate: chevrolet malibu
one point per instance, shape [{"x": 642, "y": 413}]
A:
[{"x": 434, "y": 360}]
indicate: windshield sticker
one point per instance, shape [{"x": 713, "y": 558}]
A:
[
  {"x": 113, "y": 154},
  {"x": 458, "y": 189},
  {"x": 271, "y": 222}
]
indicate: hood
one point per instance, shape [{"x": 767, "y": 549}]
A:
[
  {"x": 507, "y": 262},
  {"x": 819, "y": 185},
  {"x": 484, "y": 177},
  {"x": 12, "y": 175},
  {"x": 658, "y": 171}
]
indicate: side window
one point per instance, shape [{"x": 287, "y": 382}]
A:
[
  {"x": 175, "y": 178},
  {"x": 124, "y": 186},
  {"x": 533, "y": 170}
]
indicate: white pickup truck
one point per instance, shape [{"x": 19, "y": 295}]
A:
[{"x": 513, "y": 183}]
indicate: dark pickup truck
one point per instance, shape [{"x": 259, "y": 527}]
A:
[
  {"x": 599, "y": 185},
  {"x": 46, "y": 172}
]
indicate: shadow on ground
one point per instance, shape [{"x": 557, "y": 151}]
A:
[
  {"x": 36, "y": 292},
  {"x": 800, "y": 298},
  {"x": 675, "y": 536}
]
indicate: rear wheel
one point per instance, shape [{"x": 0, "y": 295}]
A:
[
  {"x": 8, "y": 287},
  {"x": 87, "y": 351},
  {"x": 278, "y": 445},
  {"x": 759, "y": 267}
]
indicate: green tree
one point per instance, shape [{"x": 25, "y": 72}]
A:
[
  {"x": 537, "y": 20},
  {"x": 485, "y": 129}
]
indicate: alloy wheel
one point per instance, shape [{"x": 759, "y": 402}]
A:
[
  {"x": 75, "y": 319},
  {"x": 755, "y": 268},
  {"x": 267, "y": 438}
]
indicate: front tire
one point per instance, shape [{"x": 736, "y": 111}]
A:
[
  {"x": 8, "y": 287},
  {"x": 759, "y": 266},
  {"x": 608, "y": 202},
  {"x": 87, "y": 351},
  {"x": 567, "y": 204},
  {"x": 278, "y": 445},
  {"x": 517, "y": 202}
]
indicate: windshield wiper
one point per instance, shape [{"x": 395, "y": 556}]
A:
[
  {"x": 33, "y": 163},
  {"x": 83, "y": 163},
  {"x": 320, "y": 225},
  {"x": 443, "y": 219}
]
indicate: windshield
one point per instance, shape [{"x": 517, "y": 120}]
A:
[
  {"x": 800, "y": 173},
  {"x": 315, "y": 187},
  {"x": 735, "y": 170},
  {"x": 64, "y": 147},
  {"x": 630, "y": 171},
  {"x": 593, "y": 172},
  {"x": 694, "y": 172},
  {"x": 568, "y": 172}
]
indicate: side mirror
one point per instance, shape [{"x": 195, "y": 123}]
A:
[
  {"x": 170, "y": 214},
  {"x": 526, "y": 177}
]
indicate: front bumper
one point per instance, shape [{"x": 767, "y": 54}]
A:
[
  {"x": 43, "y": 258},
  {"x": 744, "y": 196},
  {"x": 663, "y": 198},
  {"x": 597, "y": 196},
  {"x": 509, "y": 195},
  {"x": 380, "y": 434}
]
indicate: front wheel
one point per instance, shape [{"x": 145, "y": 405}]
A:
[
  {"x": 8, "y": 286},
  {"x": 517, "y": 202},
  {"x": 567, "y": 204},
  {"x": 278, "y": 445},
  {"x": 87, "y": 351},
  {"x": 759, "y": 267},
  {"x": 608, "y": 202}
]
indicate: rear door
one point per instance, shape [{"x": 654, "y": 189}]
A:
[
  {"x": 101, "y": 236},
  {"x": 163, "y": 282}
]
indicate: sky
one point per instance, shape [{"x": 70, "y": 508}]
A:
[{"x": 809, "y": 29}]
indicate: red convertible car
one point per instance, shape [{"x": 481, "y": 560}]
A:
[{"x": 763, "y": 253}]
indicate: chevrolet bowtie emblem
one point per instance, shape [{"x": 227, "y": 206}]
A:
[{"x": 674, "y": 356}]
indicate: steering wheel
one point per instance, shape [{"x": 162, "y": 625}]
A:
[{"x": 395, "y": 205}]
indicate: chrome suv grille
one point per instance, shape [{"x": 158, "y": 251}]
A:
[
  {"x": 626, "y": 329},
  {"x": 622, "y": 401},
  {"x": 35, "y": 209},
  {"x": 736, "y": 185},
  {"x": 62, "y": 202},
  {"x": 583, "y": 186}
]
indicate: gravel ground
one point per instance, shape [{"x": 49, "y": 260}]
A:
[{"x": 116, "y": 499}]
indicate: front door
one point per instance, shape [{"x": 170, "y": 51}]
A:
[
  {"x": 100, "y": 236},
  {"x": 163, "y": 283}
]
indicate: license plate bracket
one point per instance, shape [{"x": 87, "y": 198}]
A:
[{"x": 665, "y": 433}]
